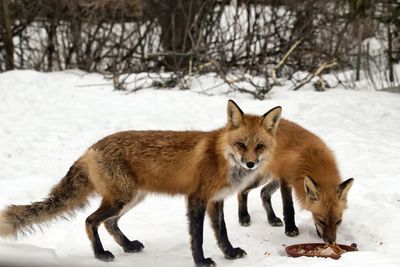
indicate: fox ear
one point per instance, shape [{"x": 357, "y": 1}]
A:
[
  {"x": 235, "y": 114},
  {"x": 311, "y": 188},
  {"x": 344, "y": 188},
  {"x": 271, "y": 119}
]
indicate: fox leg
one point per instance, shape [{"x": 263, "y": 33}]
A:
[
  {"x": 266, "y": 194},
  {"x": 288, "y": 210},
  {"x": 112, "y": 227},
  {"x": 129, "y": 246},
  {"x": 105, "y": 211},
  {"x": 244, "y": 216},
  {"x": 243, "y": 213},
  {"x": 216, "y": 212},
  {"x": 196, "y": 213}
]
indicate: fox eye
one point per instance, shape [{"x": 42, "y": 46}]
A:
[
  {"x": 338, "y": 222},
  {"x": 322, "y": 222},
  {"x": 259, "y": 146},
  {"x": 241, "y": 145}
]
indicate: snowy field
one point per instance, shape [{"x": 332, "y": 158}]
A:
[{"x": 48, "y": 120}]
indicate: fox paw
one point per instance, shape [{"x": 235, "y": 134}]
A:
[
  {"x": 235, "y": 253},
  {"x": 244, "y": 220},
  {"x": 292, "y": 231},
  {"x": 276, "y": 222},
  {"x": 105, "y": 256},
  {"x": 208, "y": 262},
  {"x": 134, "y": 246}
]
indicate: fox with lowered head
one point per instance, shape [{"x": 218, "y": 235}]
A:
[{"x": 303, "y": 162}]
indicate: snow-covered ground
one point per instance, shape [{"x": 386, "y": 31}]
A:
[{"x": 48, "y": 120}]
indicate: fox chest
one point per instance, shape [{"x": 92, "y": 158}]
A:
[{"x": 239, "y": 178}]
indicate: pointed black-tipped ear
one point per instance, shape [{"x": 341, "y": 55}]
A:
[
  {"x": 271, "y": 119},
  {"x": 311, "y": 188},
  {"x": 343, "y": 188},
  {"x": 235, "y": 114}
]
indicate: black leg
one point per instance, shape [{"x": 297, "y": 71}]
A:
[
  {"x": 196, "y": 212},
  {"x": 319, "y": 234},
  {"x": 266, "y": 194},
  {"x": 288, "y": 210},
  {"x": 129, "y": 246},
  {"x": 216, "y": 212},
  {"x": 105, "y": 211},
  {"x": 244, "y": 216}
]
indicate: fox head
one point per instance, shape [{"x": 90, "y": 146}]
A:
[
  {"x": 250, "y": 139},
  {"x": 327, "y": 205}
]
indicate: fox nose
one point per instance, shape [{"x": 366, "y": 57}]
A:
[
  {"x": 250, "y": 164},
  {"x": 330, "y": 239}
]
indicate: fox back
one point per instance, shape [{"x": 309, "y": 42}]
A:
[{"x": 173, "y": 162}]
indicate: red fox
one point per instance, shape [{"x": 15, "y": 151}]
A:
[
  {"x": 124, "y": 167},
  {"x": 302, "y": 161}
]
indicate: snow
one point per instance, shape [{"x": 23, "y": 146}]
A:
[{"x": 49, "y": 119}]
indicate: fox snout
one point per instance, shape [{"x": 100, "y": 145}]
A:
[
  {"x": 328, "y": 235},
  {"x": 245, "y": 162},
  {"x": 249, "y": 160},
  {"x": 249, "y": 164}
]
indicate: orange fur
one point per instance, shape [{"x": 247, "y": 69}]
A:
[
  {"x": 299, "y": 154},
  {"x": 123, "y": 167},
  {"x": 169, "y": 162}
]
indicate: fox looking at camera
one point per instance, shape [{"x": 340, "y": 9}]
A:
[
  {"x": 124, "y": 167},
  {"x": 302, "y": 161}
]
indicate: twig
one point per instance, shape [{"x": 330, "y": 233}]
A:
[
  {"x": 317, "y": 72},
  {"x": 280, "y": 63},
  {"x": 93, "y": 85}
]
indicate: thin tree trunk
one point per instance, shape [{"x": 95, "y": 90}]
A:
[
  {"x": 358, "y": 66},
  {"x": 390, "y": 58},
  {"x": 51, "y": 33},
  {"x": 359, "y": 50},
  {"x": 7, "y": 34}
]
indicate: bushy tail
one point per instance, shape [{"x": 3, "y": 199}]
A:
[{"x": 70, "y": 193}]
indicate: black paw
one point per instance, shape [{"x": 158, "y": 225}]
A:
[
  {"x": 235, "y": 253},
  {"x": 105, "y": 256},
  {"x": 244, "y": 219},
  {"x": 133, "y": 246},
  {"x": 276, "y": 222},
  {"x": 292, "y": 231},
  {"x": 205, "y": 263}
]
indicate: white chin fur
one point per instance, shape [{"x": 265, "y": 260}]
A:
[{"x": 6, "y": 229}]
